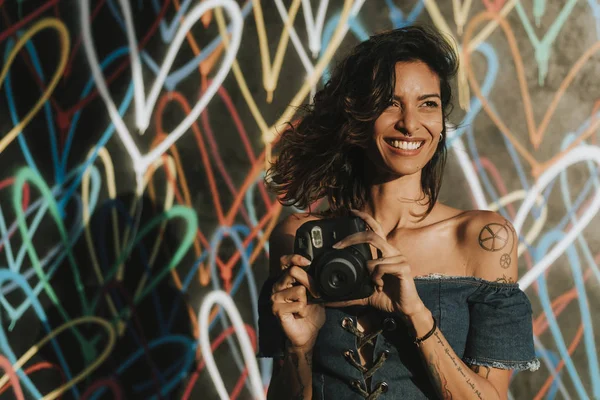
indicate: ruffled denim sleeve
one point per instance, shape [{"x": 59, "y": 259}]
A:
[
  {"x": 271, "y": 339},
  {"x": 500, "y": 331}
]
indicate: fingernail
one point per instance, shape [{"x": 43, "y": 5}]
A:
[
  {"x": 305, "y": 261},
  {"x": 337, "y": 245}
]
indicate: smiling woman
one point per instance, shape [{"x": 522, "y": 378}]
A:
[
  {"x": 368, "y": 90},
  {"x": 445, "y": 317},
  {"x": 409, "y": 131}
]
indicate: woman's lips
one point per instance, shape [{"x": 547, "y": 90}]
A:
[{"x": 404, "y": 152}]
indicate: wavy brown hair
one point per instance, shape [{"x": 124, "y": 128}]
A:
[{"x": 323, "y": 155}]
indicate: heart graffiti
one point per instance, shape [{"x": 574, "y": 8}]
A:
[{"x": 143, "y": 106}]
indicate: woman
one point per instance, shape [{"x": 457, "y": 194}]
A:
[{"x": 446, "y": 319}]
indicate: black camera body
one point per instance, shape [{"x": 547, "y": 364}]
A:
[{"x": 340, "y": 274}]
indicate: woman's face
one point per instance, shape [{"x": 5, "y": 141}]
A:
[{"x": 407, "y": 133}]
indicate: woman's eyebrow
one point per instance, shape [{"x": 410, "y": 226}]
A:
[
  {"x": 421, "y": 97},
  {"x": 426, "y": 96}
]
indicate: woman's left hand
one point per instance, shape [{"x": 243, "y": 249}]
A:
[{"x": 395, "y": 289}]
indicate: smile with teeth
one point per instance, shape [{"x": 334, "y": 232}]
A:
[{"x": 405, "y": 145}]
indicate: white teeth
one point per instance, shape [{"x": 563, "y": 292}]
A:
[{"x": 404, "y": 145}]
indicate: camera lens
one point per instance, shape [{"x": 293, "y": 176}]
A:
[{"x": 338, "y": 277}]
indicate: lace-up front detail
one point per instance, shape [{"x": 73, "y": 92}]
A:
[{"x": 363, "y": 340}]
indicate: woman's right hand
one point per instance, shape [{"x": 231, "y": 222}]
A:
[{"x": 300, "y": 320}]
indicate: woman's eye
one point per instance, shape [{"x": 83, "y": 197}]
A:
[
  {"x": 430, "y": 104},
  {"x": 394, "y": 103}
]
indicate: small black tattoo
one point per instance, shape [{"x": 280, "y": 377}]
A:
[
  {"x": 479, "y": 370},
  {"x": 505, "y": 279},
  {"x": 505, "y": 260}
]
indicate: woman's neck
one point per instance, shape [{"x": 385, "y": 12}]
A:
[{"x": 397, "y": 203}]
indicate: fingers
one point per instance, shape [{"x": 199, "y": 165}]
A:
[
  {"x": 368, "y": 237},
  {"x": 400, "y": 269},
  {"x": 293, "y": 276},
  {"x": 281, "y": 310},
  {"x": 290, "y": 301},
  {"x": 288, "y": 260},
  {"x": 372, "y": 222},
  {"x": 399, "y": 259}
]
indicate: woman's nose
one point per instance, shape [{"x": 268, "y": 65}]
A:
[{"x": 407, "y": 122}]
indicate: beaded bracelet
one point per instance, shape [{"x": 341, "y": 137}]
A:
[{"x": 421, "y": 339}]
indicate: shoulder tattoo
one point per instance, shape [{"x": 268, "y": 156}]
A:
[{"x": 497, "y": 237}]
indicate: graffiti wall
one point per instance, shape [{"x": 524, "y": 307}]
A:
[{"x": 134, "y": 222}]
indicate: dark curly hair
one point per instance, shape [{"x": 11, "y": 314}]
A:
[{"x": 323, "y": 155}]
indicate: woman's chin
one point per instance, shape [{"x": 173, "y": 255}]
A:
[
  {"x": 398, "y": 170},
  {"x": 387, "y": 169}
]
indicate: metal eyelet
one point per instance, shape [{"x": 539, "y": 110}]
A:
[
  {"x": 389, "y": 324},
  {"x": 347, "y": 322},
  {"x": 349, "y": 353},
  {"x": 385, "y": 354},
  {"x": 384, "y": 387},
  {"x": 356, "y": 384}
]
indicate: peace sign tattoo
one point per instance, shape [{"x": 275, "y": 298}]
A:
[{"x": 495, "y": 237}]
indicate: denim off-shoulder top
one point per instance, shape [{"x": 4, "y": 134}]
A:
[{"x": 486, "y": 323}]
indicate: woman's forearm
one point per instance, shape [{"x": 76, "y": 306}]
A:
[
  {"x": 452, "y": 378},
  {"x": 294, "y": 378}
]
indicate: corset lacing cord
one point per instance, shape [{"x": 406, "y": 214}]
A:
[{"x": 367, "y": 372}]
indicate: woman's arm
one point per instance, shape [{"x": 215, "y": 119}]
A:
[
  {"x": 452, "y": 378},
  {"x": 292, "y": 376},
  {"x": 491, "y": 244}
]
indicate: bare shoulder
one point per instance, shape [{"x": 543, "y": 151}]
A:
[
  {"x": 281, "y": 240},
  {"x": 291, "y": 223},
  {"x": 490, "y": 242}
]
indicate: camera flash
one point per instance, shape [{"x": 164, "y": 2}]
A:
[{"x": 317, "y": 237}]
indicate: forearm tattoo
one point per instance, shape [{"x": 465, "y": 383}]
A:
[
  {"x": 296, "y": 366},
  {"x": 496, "y": 237},
  {"x": 438, "y": 378},
  {"x": 308, "y": 357}
]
